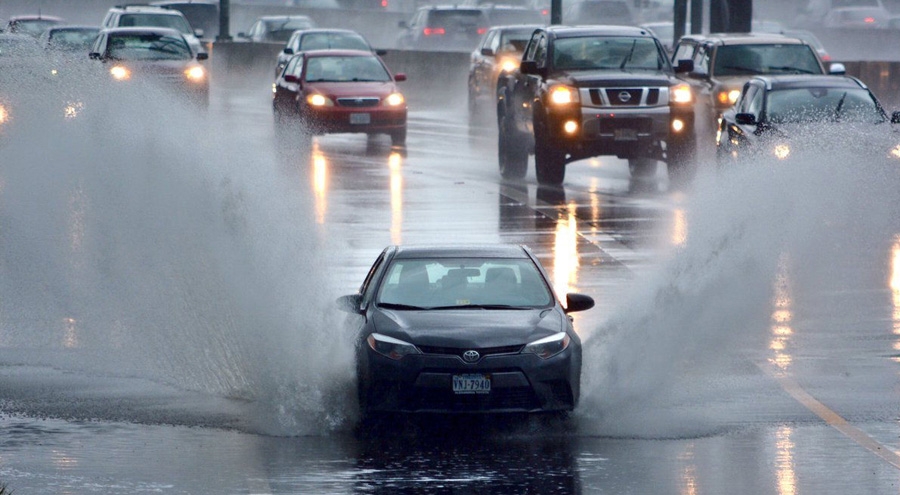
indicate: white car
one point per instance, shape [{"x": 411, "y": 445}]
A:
[{"x": 151, "y": 16}]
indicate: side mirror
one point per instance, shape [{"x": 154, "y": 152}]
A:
[
  {"x": 291, "y": 78},
  {"x": 381, "y": 52},
  {"x": 745, "y": 119},
  {"x": 203, "y": 56},
  {"x": 529, "y": 67},
  {"x": 487, "y": 52},
  {"x": 684, "y": 66},
  {"x": 242, "y": 35},
  {"x": 94, "y": 56},
  {"x": 837, "y": 68},
  {"x": 198, "y": 33},
  {"x": 895, "y": 117},
  {"x": 350, "y": 303},
  {"x": 578, "y": 302},
  {"x": 288, "y": 51},
  {"x": 400, "y": 77}
]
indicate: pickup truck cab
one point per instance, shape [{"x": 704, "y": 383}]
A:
[{"x": 589, "y": 91}]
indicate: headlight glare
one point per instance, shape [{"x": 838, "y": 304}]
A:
[
  {"x": 390, "y": 347},
  {"x": 728, "y": 96},
  {"x": 682, "y": 94},
  {"x": 508, "y": 64},
  {"x": 394, "y": 100},
  {"x": 782, "y": 151},
  {"x": 549, "y": 346},
  {"x": 563, "y": 95},
  {"x": 317, "y": 100},
  {"x": 195, "y": 73},
  {"x": 120, "y": 73}
]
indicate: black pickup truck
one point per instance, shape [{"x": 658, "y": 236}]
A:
[{"x": 590, "y": 91}]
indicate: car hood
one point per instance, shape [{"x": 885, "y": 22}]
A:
[
  {"x": 617, "y": 78},
  {"x": 475, "y": 328},
  {"x": 159, "y": 66},
  {"x": 352, "y": 89}
]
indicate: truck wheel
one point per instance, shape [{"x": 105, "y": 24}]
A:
[
  {"x": 641, "y": 168},
  {"x": 513, "y": 156},
  {"x": 549, "y": 161}
]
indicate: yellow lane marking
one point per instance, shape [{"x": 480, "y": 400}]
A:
[{"x": 830, "y": 417}]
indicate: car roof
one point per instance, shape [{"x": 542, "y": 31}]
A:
[
  {"x": 155, "y": 9},
  {"x": 73, "y": 27},
  {"x": 561, "y": 31},
  {"x": 744, "y": 38},
  {"x": 474, "y": 250},
  {"x": 461, "y": 8},
  {"x": 326, "y": 31},
  {"x": 35, "y": 17},
  {"x": 282, "y": 17},
  {"x": 788, "y": 81},
  {"x": 142, "y": 29}
]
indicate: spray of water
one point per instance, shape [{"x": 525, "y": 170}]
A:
[
  {"x": 152, "y": 241},
  {"x": 709, "y": 302}
]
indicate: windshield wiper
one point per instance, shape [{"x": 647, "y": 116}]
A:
[
  {"x": 630, "y": 54},
  {"x": 481, "y": 306},
  {"x": 398, "y": 306},
  {"x": 837, "y": 110}
]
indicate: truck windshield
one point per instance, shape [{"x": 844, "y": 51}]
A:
[{"x": 612, "y": 52}]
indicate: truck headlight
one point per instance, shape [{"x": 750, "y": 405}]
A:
[
  {"x": 508, "y": 64},
  {"x": 728, "y": 96},
  {"x": 195, "y": 74},
  {"x": 564, "y": 95},
  {"x": 682, "y": 94}
]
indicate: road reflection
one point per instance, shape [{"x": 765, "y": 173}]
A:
[
  {"x": 784, "y": 461},
  {"x": 782, "y": 316},
  {"x": 395, "y": 161},
  {"x": 895, "y": 287},
  {"x": 320, "y": 183}
]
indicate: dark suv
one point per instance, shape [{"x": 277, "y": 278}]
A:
[
  {"x": 724, "y": 62},
  {"x": 443, "y": 28},
  {"x": 589, "y": 91}
]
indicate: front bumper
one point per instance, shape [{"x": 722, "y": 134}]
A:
[
  {"x": 424, "y": 383},
  {"x": 370, "y": 120}
]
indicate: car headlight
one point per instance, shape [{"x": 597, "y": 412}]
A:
[
  {"x": 548, "y": 346},
  {"x": 317, "y": 100},
  {"x": 563, "y": 95},
  {"x": 195, "y": 74},
  {"x": 120, "y": 73},
  {"x": 390, "y": 347},
  {"x": 4, "y": 115},
  {"x": 394, "y": 100},
  {"x": 781, "y": 151},
  {"x": 682, "y": 94},
  {"x": 895, "y": 151},
  {"x": 728, "y": 96},
  {"x": 508, "y": 64}
]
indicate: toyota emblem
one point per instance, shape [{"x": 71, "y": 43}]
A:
[
  {"x": 471, "y": 356},
  {"x": 624, "y": 96}
]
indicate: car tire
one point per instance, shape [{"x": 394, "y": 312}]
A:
[
  {"x": 398, "y": 137},
  {"x": 641, "y": 168},
  {"x": 511, "y": 152},
  {"x": 549, "y": 161}
]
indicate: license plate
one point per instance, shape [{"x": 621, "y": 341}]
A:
[
  {"x": 473, "y": 383},
  {"x": 360, "y": 118},
  {"x": 625, "y": 135}
]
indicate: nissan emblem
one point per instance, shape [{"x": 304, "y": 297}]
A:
[
  {"x": 471, "y": 356},
  {"x": 624, "y": 96}
]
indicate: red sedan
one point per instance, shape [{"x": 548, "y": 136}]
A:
[{"x": 336, "y": 91}]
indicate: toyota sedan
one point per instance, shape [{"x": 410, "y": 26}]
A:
[{"x": 464, "y": 330}]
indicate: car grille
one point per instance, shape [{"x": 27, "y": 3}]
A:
[
  {"x": 456, "y": 351},
  {"x": 357, "y": 102},
  {"x": 518, "y": 398},
  {"x": 628, "y": 97}
]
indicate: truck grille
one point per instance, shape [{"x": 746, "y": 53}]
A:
[{"x": 627, "y": 97}]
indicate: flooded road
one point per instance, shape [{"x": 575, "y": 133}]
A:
[{"x": 167, "y": 321}]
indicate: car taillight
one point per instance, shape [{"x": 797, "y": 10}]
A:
[
  {"x": 482, "y": 30},
  {"x": 384, "y": 3},
  {"x": 434, "y": 31}
]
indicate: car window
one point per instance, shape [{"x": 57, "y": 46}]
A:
[
  {"x": 812, "y": 105},
  {"x": 148, "y": 46},
  {"x": 345, "y": 69},
  {"x": 367, "y": 289},
  {"x": 514, "y": 40},
  {"x": 294, "y": 66},
  {"x": 616, "y": 52},
  {"x": 71, "y": 39},
  {"x": 684, "y": 51},
  {"x": 735, "y": 60},
  {"x": 540, "y": 52},
  {"x": 744, "y": 105},
  {"x": 322, "y": 41},
  {"x": 176, "y": 22},
  {"x": 701, "y": 59},
  {"x": 442, "y": 282}
]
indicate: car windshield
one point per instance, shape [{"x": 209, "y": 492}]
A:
[
  {"x": 324, "y": 41},
  {"x": 515, "y": 41},
  {"x": 345, "y": 69},
  {"x": 33, "y": 27},
  {"x": 443, "y": 283},
  {"x": 813, "y": 105},
  {"x": 148, "y": 46},
  {"x": 738, "y": 60},
  {"x": 176, "y": 22},
  {"x": 282, "y": 30},
  {"x": 72, "y": 39},
  {"x": 457, "y": 18},
  {"x": 607, "y": 52}
]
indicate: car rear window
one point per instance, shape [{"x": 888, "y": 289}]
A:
[
  {"x": 737, "y": 60},
  {"x": 450, "y": 18},
  {"x": 156, "y": 20},
  {"x": 323, "y": 41}
]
